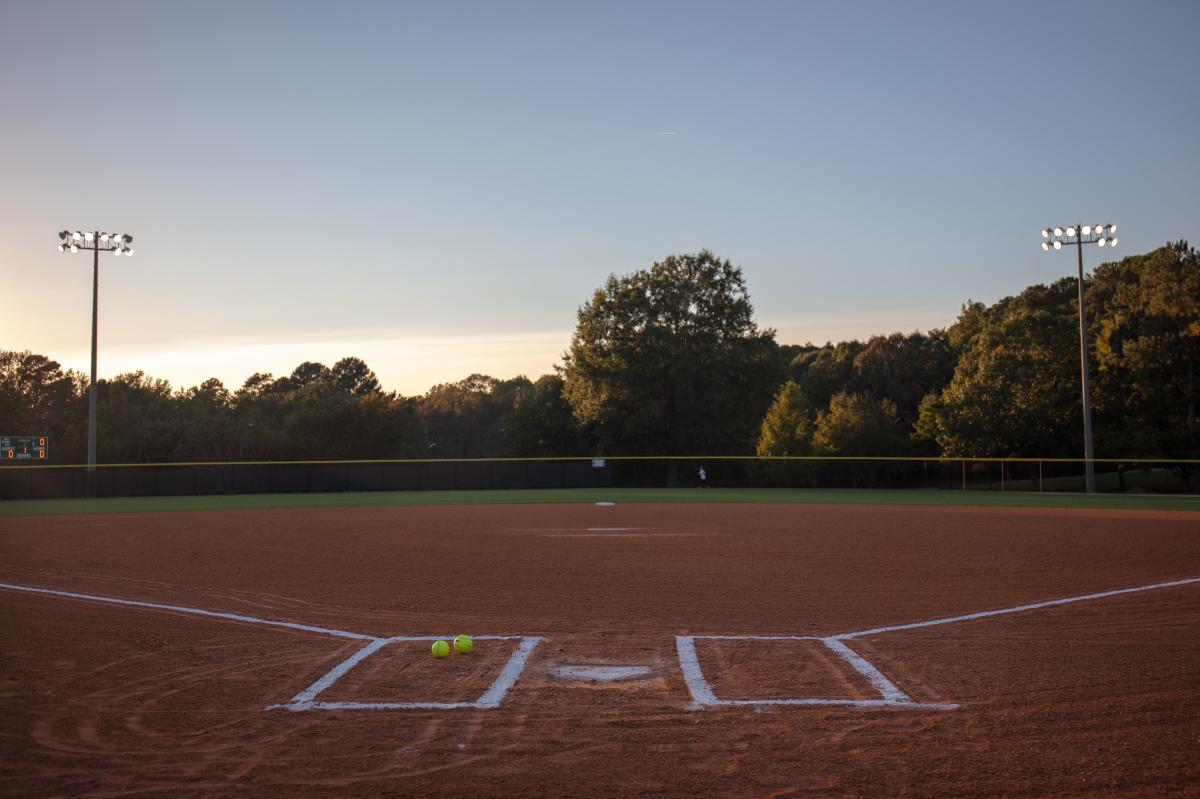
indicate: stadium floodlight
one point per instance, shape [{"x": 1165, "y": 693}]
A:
[
  {"x": 1045, "y": 233},
  {"x": 97, "y": 242},
  {"x": 1080, "y": 235}
]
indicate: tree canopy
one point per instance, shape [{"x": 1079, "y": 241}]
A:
[
  {"x": 1147, "y": 349},
  {"x": 787, "y": 428},
  {"x": 669, "y": 360}
]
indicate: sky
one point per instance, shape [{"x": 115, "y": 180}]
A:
[{"x": 437, "y": 187}]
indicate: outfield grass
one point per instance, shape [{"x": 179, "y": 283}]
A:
[{"x": 842, "y": 496}]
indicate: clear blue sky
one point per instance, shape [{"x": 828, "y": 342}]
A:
[{"x": 438, "y": 187}]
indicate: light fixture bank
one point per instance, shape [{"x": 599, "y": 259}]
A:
[
  {"x": 1100, "y": 235},
  {"x": 116, "y": 243}
]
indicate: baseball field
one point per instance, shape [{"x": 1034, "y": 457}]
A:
[{"x": 626, "y": 644}]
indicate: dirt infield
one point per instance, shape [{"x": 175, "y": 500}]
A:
[{"x": 1099, "y": 697}]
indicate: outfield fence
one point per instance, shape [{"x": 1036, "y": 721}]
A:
[{"x": 1132, "y": 475}]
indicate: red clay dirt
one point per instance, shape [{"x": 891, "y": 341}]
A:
[{"x": 1097, "y": 699}]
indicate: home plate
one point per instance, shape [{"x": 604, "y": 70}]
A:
[{"x": 569, "y": 671}]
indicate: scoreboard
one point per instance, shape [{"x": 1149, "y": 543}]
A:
[{"x": 22, "y": 448}]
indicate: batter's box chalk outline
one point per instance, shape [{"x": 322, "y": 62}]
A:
[
  {"x": 491, "y": 698},
  {"x": 704, "y": 696},
  {"x": 890, "y": 695},
  {"x": 307, "y": 699}
]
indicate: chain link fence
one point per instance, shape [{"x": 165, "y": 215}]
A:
[{"x": 950, "y": 474}]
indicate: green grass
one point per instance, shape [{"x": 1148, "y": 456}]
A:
[{"x": 46, "y": 507}]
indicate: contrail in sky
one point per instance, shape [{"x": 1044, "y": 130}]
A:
[{"x": 665, "y": 133}]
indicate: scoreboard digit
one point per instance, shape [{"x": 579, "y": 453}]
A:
[{"x": 23, "y": 448}]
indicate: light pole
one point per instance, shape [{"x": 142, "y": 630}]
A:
[
  {"x": 1079, "y": 235},
  {"x": 97, "y": 242}
]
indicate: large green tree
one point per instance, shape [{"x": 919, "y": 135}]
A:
[
  {"x": 669, "y": 360},
  {"x": 137, "y": 420},
  {"x": 208, "y": 426},
  {"x": 1147, "y": 343},
  {"x": 788, "y": 426},
  {"x": 904, "y": 368},
  {"x": 1015, "y": 390},
  {"x": 540, "y": 422},
  {"x": 353, "y": 376},
  {"x": 465, "y": 419},
  {"x": 821, "y": 372},
  {"x": 858, "y": 424}
]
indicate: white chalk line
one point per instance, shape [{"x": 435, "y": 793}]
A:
[
  {"x": 1017, "y": 609},
  {"x": 305, "y": 706},
  {"x": 337, "y": 672},
  {"x": 762, "y": 637},
  {"x": 837, "y": 703},
  {"x": 512, "y": 670},
  {"x": 620, "y": 535},
  {"x": 693, "y": 675},
  {"x": 396, "y": 638},
  {"x": 193, "y": 611},
  {"x": 883, "y": 685}
]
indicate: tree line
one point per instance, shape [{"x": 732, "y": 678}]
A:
[{"x": 669, "y": 361}]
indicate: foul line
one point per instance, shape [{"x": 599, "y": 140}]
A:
[
  {"x": 194, "y": 611},
  {"x": 305, "y": 700},
  {"x": 1018, "y": 609}
]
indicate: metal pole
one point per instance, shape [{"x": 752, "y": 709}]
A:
[
  {"x": 1088, "y": 454},
  {"x": 91, "y": 468}
]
